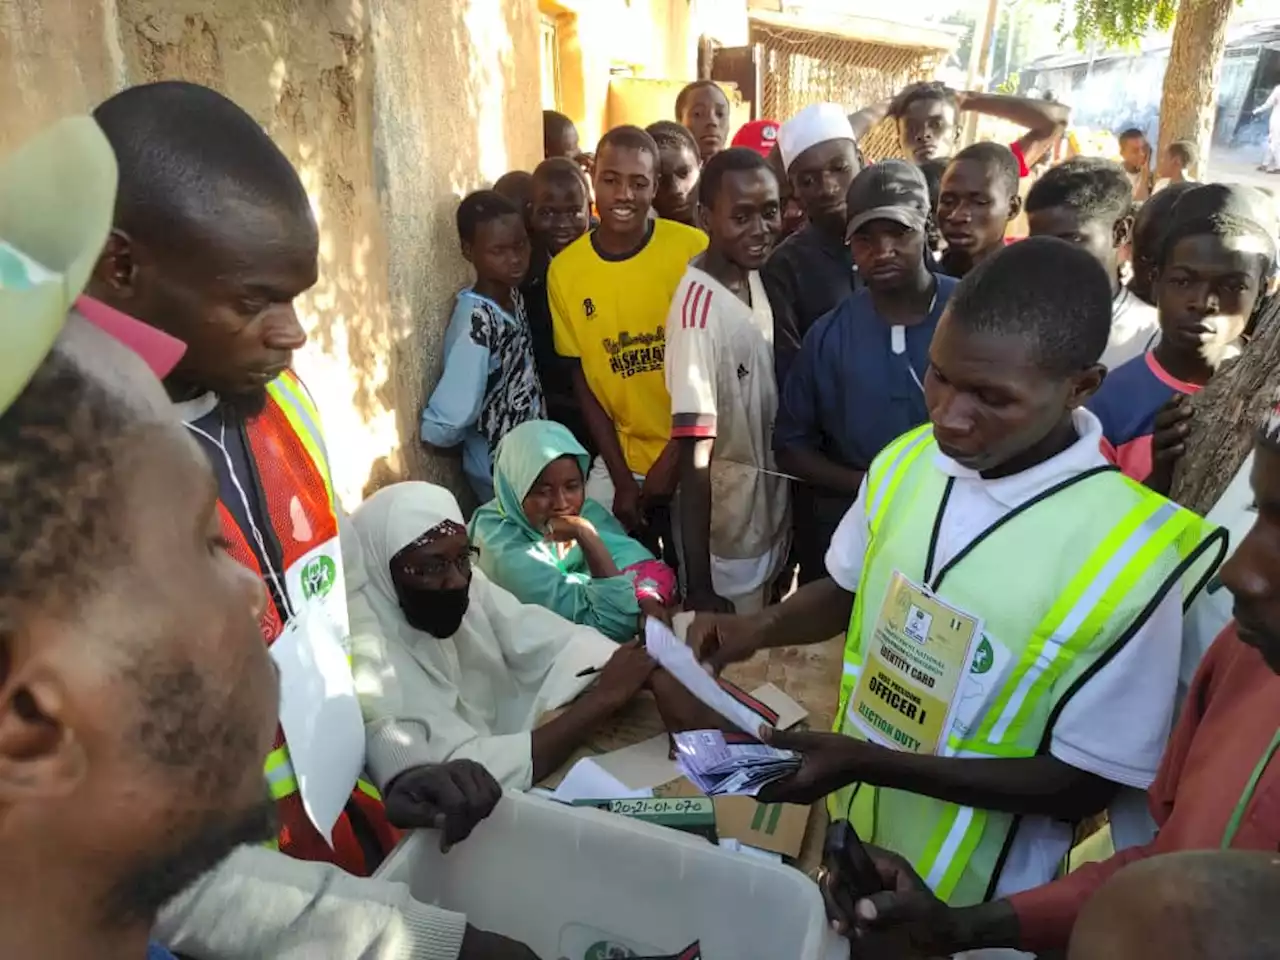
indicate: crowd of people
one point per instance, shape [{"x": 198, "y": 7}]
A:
[{"x": 753, "y": 386}]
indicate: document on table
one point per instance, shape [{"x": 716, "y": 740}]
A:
[
  {"x": 678, "y": 660},
  {"x": 587, "y": 780}
]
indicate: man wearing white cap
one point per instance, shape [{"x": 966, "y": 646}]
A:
[{"x": 812, "y": 271}]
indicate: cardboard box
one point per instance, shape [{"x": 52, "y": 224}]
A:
[{"x": 777, "y": 827}]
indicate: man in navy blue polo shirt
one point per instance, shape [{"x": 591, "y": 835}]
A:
[{"x": 857, "y": 382}]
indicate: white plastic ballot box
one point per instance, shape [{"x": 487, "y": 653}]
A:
[{"x": 576, "y": 883}]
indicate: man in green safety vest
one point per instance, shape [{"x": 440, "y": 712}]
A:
[{"x": 1011, "y": 601}]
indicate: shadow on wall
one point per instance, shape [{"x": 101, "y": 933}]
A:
[{"x": 390, "y": 110}]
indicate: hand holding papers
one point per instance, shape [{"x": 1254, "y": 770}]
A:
[{"x": 737, "y": 707}]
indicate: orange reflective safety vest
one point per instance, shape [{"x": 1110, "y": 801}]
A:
[{"x": 296, "y": 494}]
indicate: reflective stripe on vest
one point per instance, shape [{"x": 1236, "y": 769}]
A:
[
  {"x": 1112, "y": 572},
  {"x": 301, "y": 412},
  {"x": 1149, "y": 544},
  {"x": 284, "y": 783}
]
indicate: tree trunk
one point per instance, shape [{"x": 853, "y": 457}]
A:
[
  {"x": 1190, "y": 92},
  {"x": 1226, "y": 416}
]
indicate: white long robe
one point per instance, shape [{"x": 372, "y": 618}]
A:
[{"x": 476, "y": 695}]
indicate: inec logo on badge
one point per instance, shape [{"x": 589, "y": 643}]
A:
[
  {"x": 318, "y": 576},
  {"x": 983, "y": 657}
]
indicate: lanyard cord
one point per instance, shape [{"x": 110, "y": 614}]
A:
[
  {"x": 1237, "y": 815},
  {"x": 221, "y": 444}
]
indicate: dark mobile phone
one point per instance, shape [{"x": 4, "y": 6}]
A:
[{"x": 844, "y": 855}]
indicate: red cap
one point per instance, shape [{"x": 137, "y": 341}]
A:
[
  {"x": 759, "y": 135},
  {"x": 158, "y": 350}
]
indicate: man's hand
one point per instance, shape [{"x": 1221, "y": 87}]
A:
[
  {"x": 829, "y": 762},
  {"x": 626, "y": 674},
  {"x": 681, "y": 710},
  {"x": 479, "y": 945},
  {"x": 707, "y": 601},
  {"x": 450, "y": 797},
  {"x": 1169, "y": 442},
  {"x": 661, "y": 480},
  {"x": 904, "y": 922},
  {"x": 651, "y": 607},
  {"x": 626, "y": 504},
  {"x": 719, "y": 639}
]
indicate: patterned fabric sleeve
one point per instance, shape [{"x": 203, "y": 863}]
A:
[{"x": 456, "y": 401}]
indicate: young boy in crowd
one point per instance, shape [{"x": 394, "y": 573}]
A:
[
  {"x": 609, "y": 292},
  {"x": 857, "y": 382},
  {"x": 517, "y": 186},
  {"x": 1148, "y": 230},
  {"x": 1055, "y": 679},
  {"x": 977, "y": 199},
  {"x": 812, "y": 271},
  {"x": 559, "y": 136},
  {"x": 1216, "y": 260},
  {"x": 677, "y": 195},
  {"x": 490, "y": 383},
  {"x": 793, "y": 215},
  {"x": 1135, "y": 154},
  {"x": 560, "y": 213},
  {"x": 703, "y": 108},
  {"x": 1088, "y": 201},
  {"x": 927, "y": 116},
  {"x": 1175, "y": 164},
  {"x": 733, "y": 503}
]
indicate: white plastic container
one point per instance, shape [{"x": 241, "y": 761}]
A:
[{"x": 580, "y": 884}]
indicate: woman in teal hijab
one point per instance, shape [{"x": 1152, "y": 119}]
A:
[{"x": 541, "y": 539}]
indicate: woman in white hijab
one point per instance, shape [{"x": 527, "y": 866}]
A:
[{"x": 463, "y": 670}]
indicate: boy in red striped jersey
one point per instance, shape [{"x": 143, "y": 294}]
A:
[{"x": 732, "y": 510}]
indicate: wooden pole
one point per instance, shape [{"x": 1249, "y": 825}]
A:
[{"x": 984, "y": 36}]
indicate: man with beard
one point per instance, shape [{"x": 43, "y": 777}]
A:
[
  {"x": 136, "y": 696},
  {"x": 213, "y": 239}
]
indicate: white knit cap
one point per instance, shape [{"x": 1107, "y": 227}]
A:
[{"x": 816, "y": 123}]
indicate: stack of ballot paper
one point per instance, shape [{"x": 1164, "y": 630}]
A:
[{"x": 720, "y": 764}]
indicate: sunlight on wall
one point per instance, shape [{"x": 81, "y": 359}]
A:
[{"x": 486, "y": 24}]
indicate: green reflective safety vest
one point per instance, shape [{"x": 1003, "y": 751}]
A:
[{"x": 1061, "y": 584}]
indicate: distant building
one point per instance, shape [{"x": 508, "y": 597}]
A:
[{"x": 1115, "y": 90}]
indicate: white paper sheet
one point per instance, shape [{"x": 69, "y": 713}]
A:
[
  {"x": 641, "y": 765},
  {"x": 320, "y": 715},
  {"x": 679, "y": 661},
  {"x": 587, "y": 780}
]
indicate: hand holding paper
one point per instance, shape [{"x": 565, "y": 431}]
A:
[{"x": 678, "y": 660}]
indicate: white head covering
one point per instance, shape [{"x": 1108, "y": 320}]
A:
[
  {"x": 816, "y": 123},
  {"x": 388, "y": 522},
  {"x": 476, "y": 694}
]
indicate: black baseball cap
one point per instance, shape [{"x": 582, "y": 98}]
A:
[{"x": 889, "y": 190}]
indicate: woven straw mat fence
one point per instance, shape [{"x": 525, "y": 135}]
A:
[{"x": 801, "y": 68}]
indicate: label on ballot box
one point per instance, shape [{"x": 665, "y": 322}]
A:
[{"x": 694, "y": 815}]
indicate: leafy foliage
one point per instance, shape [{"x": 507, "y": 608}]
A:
[{"x": 1119, "y": 23}]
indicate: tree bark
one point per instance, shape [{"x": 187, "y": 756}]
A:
[
  {"x": 1226, "y": 416},
  {"x": 1190, "y": 91}
]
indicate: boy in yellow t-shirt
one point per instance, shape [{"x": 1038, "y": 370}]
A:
[{"x": 609, "y": 293}]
